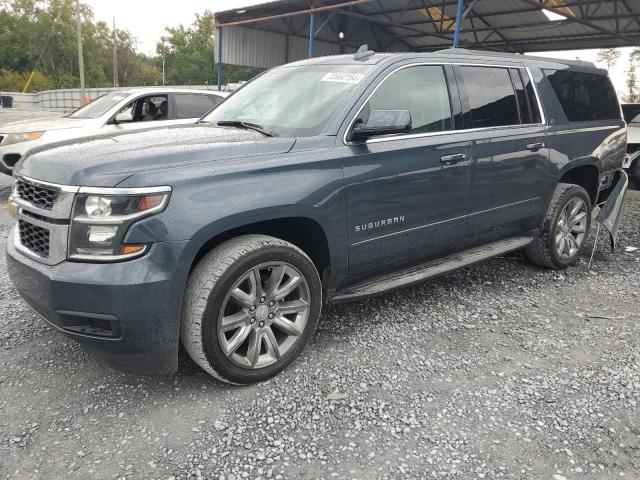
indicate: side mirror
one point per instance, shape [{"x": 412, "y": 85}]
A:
[
  {"x": 382, "y": 122},
  {"x": 124, "y": 116}
]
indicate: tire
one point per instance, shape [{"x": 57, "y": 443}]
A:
[
  {"x": 222, "y": 293},
  {"x": 544, "y": 250},
  {"x": 634, "y": 173}
]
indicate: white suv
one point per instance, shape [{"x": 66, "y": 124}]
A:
[{"x": 632, "y": 162}]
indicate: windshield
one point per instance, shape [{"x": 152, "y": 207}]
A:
[
  {"x": 291, "y": 101},
  {"x": 98, "y": 107},
  {"x": 631, "y": 113}
]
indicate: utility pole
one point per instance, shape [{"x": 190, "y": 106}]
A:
[
  {"x": 115, "y": 55},
  {"x": 80, "y": 56},
  {"x": 163, "y": 49}
]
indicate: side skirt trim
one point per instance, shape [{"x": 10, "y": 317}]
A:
[{"x": 403, "y": 278}]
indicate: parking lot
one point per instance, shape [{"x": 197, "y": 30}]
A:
[{"x": 500, "y": 370}]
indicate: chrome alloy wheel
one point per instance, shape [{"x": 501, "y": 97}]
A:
[
  {"x": 263, "y": 315},
  {"x": 571, "y": 228}
]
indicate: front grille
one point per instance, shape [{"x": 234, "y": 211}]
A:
[
  {"x": 34, "y": 238},
  {"x": 38, "y": 195}
]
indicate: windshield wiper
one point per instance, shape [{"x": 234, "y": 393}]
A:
[{"x": 245, "y": 125}]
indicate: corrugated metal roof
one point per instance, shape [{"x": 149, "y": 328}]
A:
[{"x": 278, "y": 31}]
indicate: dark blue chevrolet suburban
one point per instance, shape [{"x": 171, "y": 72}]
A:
[{"x": 324, "y": 180}]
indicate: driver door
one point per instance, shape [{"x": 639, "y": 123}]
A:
[
  {"x": 149, "y": 111},
  {"x": 408, "y": 194}
]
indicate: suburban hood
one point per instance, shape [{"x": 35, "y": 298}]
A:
[
  {"x": 107, "y": 160},
  {"x": 42, "y": 124}
]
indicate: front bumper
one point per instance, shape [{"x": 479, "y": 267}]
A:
[
  {"x": 610, "y": 205},
  {"x": 127, "y": 314}
]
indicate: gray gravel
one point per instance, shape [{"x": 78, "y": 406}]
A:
[{"x": 500, "y": 370}]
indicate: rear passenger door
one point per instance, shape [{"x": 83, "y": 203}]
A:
[
  {"x": 510, "y": 170},
  {"x": 189, "y": 107},
  {"x": 407, "y": 195}
]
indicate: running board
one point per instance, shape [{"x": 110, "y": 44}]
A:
[{"x": 428, "y": 270}]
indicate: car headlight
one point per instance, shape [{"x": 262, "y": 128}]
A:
[
  {"x": 12, "y": 138},
  {"x": 100, "y": 222}
]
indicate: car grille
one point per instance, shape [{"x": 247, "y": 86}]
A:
[
  {"x": 38, "y": 195},
  {"x": 34, "y": 238}
]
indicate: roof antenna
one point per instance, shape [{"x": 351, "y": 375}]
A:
[{"x": 363, "y": 53}]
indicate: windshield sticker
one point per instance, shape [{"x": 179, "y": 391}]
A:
[{"x": 342, "y": 77}]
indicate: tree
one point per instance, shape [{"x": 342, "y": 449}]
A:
[
  {"x": 609, "y": 56},
  {"x": 633, "y": 90},
  {"x": 41, "y": 34}
]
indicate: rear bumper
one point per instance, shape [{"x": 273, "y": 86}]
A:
[{"x": 127, "y": 314}]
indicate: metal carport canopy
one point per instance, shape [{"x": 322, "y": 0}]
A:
[{"x": 278, "y": 32}]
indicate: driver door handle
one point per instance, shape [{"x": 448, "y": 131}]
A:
[
  {"x": 453, "y": 159},
  {"x": 534, "y": 147}
]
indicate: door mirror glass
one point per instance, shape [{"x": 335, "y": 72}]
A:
[
  {"x": 382, "y": 122},
  {"x": 125, "y": 115}
]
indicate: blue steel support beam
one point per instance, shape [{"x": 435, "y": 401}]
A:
[
  {"x": 219, "y": 59},
  {"x": 456, "y": 36},
  {"x": 312, "y": 34}
]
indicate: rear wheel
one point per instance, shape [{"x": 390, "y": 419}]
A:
[
  {"x": 251, "y": 305},
  {"x": 561, "y": 238}
]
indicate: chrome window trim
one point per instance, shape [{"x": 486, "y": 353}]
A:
[{"x": 445, "y": 132}]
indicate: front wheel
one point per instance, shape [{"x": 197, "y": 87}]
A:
[
  {"x": 251, "y": 305},
  {"x": 562, "y": 236}
]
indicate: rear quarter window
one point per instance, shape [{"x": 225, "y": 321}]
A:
[
  {"x": 585, "y": 97},
  {"x": 191, "y": 105}
]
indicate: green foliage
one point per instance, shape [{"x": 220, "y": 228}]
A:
[{"x": 40, "y": 35}]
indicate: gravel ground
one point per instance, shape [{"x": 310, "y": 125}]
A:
[{"x": 500, "y": 370}]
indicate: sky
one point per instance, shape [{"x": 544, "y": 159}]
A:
[{"x": 146, "y": 19}]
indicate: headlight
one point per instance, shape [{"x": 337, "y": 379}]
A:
[
  {"x": 12, "y": 138},
  {"x": 101, "y": 220}
]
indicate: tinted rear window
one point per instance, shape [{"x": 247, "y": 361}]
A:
[
  {"x": 585, "y": 96},
  {"x": 492, "y": 98},
  {"x": 192, "y": 106},
  {"x": 631, "y": 113}
]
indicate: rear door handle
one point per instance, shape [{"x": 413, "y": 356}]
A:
[
  {"x": 453, "y": 159},
  {"x": 534, "y": 147}
]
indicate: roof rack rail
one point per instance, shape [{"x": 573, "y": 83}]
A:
[{"x": 363, "y": 53}]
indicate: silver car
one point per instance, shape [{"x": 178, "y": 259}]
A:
[{"x": 121, "y": 111}]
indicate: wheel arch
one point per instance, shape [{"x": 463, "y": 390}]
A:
[
  {"x": 306, "y": 232},
  {"x": 585, "y": 174}
]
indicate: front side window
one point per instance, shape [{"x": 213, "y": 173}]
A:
[
  {"x": 584, "y": 97},
  {"x": 191, "y": 106},
  {"x": 492, "y": 98},
  {"x": 423, "y": 91},
  {"x": 296, "y": 101},
  {"x": 144, "y": 109}
]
